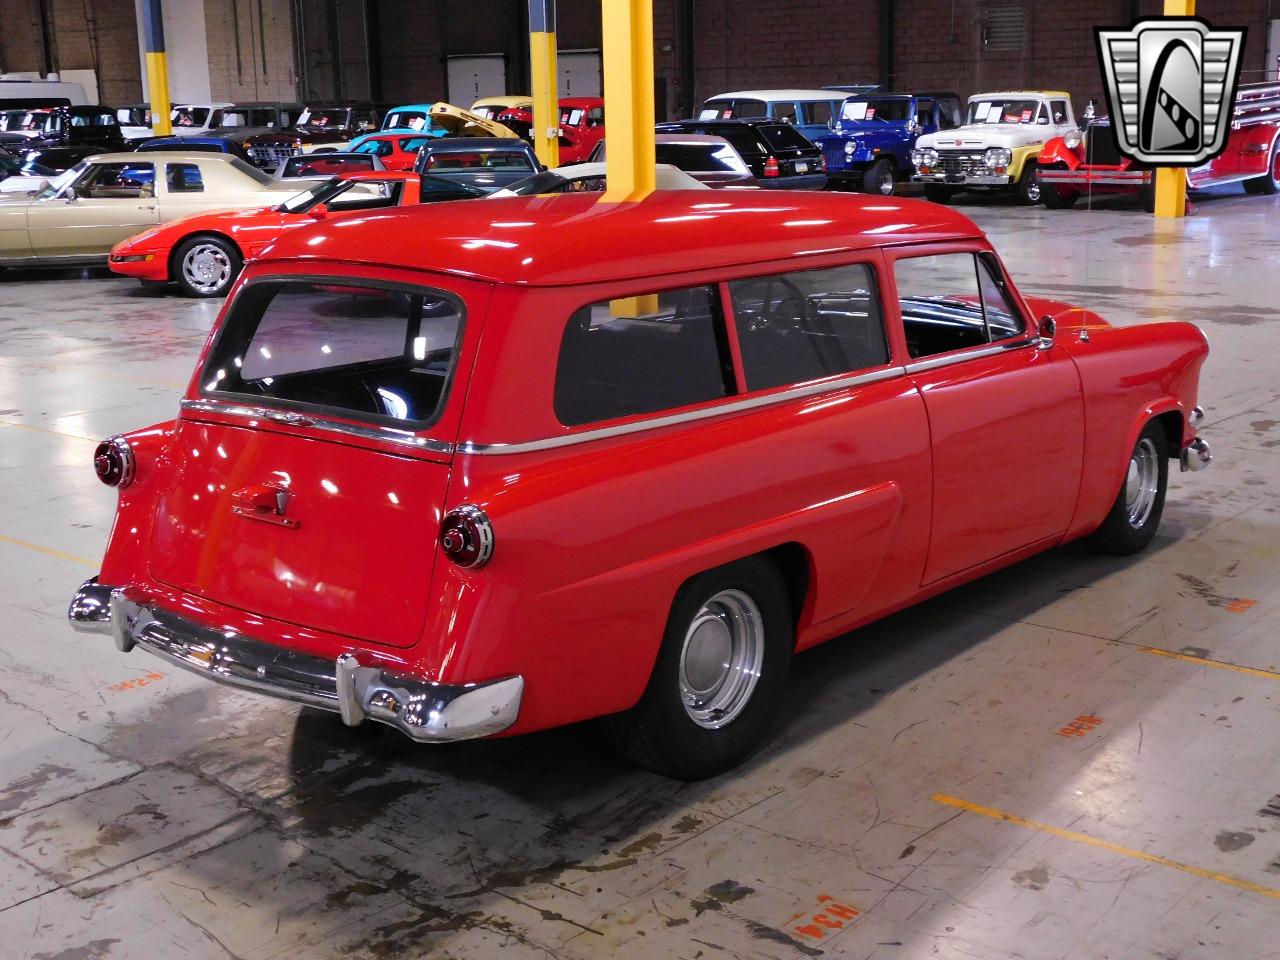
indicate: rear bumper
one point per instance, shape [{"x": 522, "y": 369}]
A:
[
  {"x": 425, "y": 711},
  {"x": 804, "y": 181}
]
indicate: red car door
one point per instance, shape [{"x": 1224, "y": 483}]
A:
[{"x": 1006, "y": 414}]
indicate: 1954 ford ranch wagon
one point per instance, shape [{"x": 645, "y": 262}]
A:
[{"x": 514, "y": 464}]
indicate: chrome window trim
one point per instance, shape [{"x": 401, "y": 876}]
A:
[
  {"x": 390, "y": 434},
  {"x": 946, "y": 360},
  {"x": 677, "y": 419}
]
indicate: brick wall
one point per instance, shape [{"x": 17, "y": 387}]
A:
[{"x": 99, "y": 36}]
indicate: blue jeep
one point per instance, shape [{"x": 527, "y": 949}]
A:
[{"x": 869, "y": 146}]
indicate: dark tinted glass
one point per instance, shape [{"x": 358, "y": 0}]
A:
[
  {"x": 700, "y": 156},
  {"x": 641, "y": 355},
  {"x": 367, "y": 352},
  {"x": 806, "y": 325},
  {"x": 782, "y": 137},
  {"x": 183, "y": 178}
]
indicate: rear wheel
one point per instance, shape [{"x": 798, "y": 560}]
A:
[
  {"x": 1027, "y": 190},
  {"x": 1135, "y": 515},
  {"x": 880, "y": 178},
  {"x": 719, "y": 676},
  {"x": 1269, "y": 182},
  {"x": 1056, "y": 199},
  {"x": 938, "y": 193},
  {"x": 206, "y": 266}
]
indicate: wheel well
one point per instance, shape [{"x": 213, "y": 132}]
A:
[
  {"x": 792, "y": 561},
  {"x": 173, "y": 254},
  {"x": 1172, "y": 424}
]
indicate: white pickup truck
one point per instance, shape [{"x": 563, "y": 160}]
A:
[{"x": 997, "y": 146}]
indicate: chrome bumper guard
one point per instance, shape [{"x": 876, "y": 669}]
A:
[
  {"x": 423, "y": 710},
  {"x": 1196, "y": 456}
]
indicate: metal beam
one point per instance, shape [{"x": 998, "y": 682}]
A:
[
  {"x": 1171, "y": 182},
  {"x": 630, "y": 162},
  {"x": 157, "y": 68},
  {"x": 543, "y": 73}
]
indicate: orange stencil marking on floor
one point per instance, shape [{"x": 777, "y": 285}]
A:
[
  {"x": 830, "y": 916},
  {"x": 1079, "y": 726},
  {"x": 1239, "y": 605},
  {"x": 136, "y": 682}
]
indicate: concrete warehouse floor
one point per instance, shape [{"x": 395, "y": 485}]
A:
[{"x": 1075, "y": 758}]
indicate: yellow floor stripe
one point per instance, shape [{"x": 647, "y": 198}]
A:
[
  {"x": 995, "y": 814},
  {"x": 56, "y": 433},
  {"x": 1220, "y": 664},
  {"x": 48, "y": 551}
]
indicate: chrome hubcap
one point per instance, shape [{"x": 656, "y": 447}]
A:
[
  {"x": 886, "y": 183},
  {"x": 206, "y": 267},
  {"x": 1033, "y": 188},
  {"x": 721, "y": 659},
  {"x": 1141, "y": 483}
]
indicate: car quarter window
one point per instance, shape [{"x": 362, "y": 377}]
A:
[
  {"x": 818, "y": 111},
  {"x": 809, "y": 324},
  {"x": 952, "y": 301},
  {"x": 642, "y": 354},
  {"x": 183, "y": 178}
]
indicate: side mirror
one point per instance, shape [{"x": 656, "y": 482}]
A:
[
  {"x": 321, "y": 210},
  {"x": 1048, "y": 330}
]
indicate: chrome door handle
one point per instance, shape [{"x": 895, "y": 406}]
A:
[{"x": 147, "y": 207}]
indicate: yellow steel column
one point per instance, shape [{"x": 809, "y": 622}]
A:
[
  {"x": 1171, "y": 182},
  {"x": 630, "y": 161},
  {"x": 543, "y": 71},
  {"x": 157, "y": 72}
]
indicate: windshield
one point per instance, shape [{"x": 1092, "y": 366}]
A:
[
  {"x": 307, "y": 198},
  {"x": 1003, "y": 111},
  {"x": 189, "y": 116},
  {"x": 55, "y": 186},
  {"x": 406, "y": 119},
  {"x": 876, "y": 111},
  {"x": 323, "y": 118}
]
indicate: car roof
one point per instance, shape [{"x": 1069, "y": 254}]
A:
[
  {"x": 690, "y": 138},
  {"x": 581, "y": 101},
  {"x": 424, "y": 107},
  {"x": 1022, "y": 93},
  {"x": 792, "y": 94},
  {"x": 540, "y": 240},
  {"x": 158, "y": 156},
  {"x": 466, "y": 144}
]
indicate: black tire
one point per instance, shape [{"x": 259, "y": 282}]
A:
[
  {"x": 1123, "y": 533},
  {"x": 660, "y": 733},
  {"x": 1147, "y": 195},
  {"x": 206, "y": 266},
  {"x": 1027, "y": 190},
  {"x": 938, "y": 193},
  {"x": 1056, "y": 199},
  {"x": 879, "y": 178},
  {"x": 1269, "y": 183}
]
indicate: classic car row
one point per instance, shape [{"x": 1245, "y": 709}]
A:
[{"x": 430, "y": 374}]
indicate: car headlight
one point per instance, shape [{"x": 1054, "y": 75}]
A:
[
  {"x": 924, "y": 157},
  {"x": 850, "y": 148},
  {"x": 1073, "y": 139},
  {"x": 998, "y": 157}
]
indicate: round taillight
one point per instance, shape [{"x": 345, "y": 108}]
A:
[
  {"x": 113, "y": 462},
  {"x": 466, "y": 536}
]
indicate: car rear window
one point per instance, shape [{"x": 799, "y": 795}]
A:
[
  {"x": 781, "y": 137},
  {"x": 701, "y": 157},
  {"x": 371, "y": 352},
  {"x": 642, "y": 354},
  {"x": 459, "y": 161}
]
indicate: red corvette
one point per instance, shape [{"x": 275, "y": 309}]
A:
[
  {"x": 204, "y": 254},
  {"x": 529, "y": 461}
]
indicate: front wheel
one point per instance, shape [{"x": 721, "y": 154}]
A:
[
  {"x": 719, "y": 676},
  {"x": 1027, "y": 190},
  {"x": 1056, "y": 199},
  {"x": 207, "y": 266},
  {"x": 879, "y": 178},
  {"x": 1135, "y": 515}
]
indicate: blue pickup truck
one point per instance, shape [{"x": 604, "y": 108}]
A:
[{"x": 869, "y": 145}]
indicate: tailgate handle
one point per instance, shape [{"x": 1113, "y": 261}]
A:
[{"x": 263, "y": 501}]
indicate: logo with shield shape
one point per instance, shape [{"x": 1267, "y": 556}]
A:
[{"x": 1170, "y": 85}]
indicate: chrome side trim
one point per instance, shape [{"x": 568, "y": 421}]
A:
[
  {"x": 405, "y": 437},
  {"x": 1115, "y": 178},
  {"x": 421, "y": 709},
  {"x": 933, "y": 363},
  {"x": 676, "y": 419}
]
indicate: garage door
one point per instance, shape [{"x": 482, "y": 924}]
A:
[
  {"x": 579, "y": 73},
  {"x": 471, "y": 78}
]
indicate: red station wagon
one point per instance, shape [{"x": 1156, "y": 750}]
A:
[{"x": 530, "y": 461}]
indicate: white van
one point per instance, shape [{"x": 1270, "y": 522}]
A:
[{"x": 40, "y": 93}]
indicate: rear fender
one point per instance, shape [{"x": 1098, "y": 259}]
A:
[{"x": 126, "y": 554}]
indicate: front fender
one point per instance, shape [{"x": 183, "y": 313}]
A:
[
  {"x": 1021, "y": 157},
  {"x": 1057, "y": 151}
]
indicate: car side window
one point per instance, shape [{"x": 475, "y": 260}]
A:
[
  {"x": 784, "y": 111},
  {"x": 952, "y": 301},
  {"x": 801, "y": 326},
  {"x": 1059, "y": 110},
  {"x": 117, "y": 181},
  {"x": 642, "y": 354},
  {"x": 183, "y": 178},
  {"x": 595, "y": 117},
  {"x": 818, "y": 111}
]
